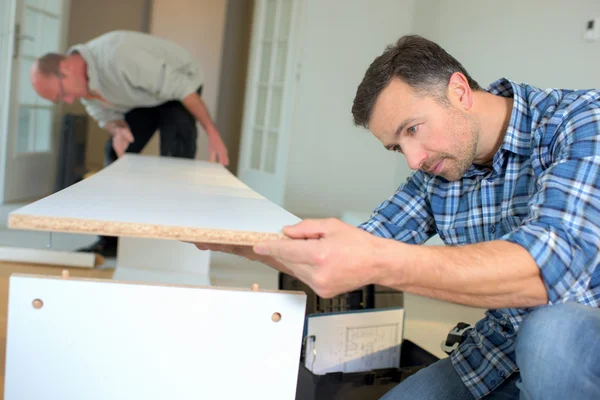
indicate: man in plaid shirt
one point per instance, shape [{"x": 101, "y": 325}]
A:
[{"x": 509, "y": 178}]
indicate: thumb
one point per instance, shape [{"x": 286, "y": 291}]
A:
[
  {"x": 307, "y": 229},
  {"x": 128, "y": 135},
  {"x": 224, "y": 158}
]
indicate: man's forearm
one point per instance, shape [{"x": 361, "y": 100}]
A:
[
  {"x": 493, "y": 274},
  {"x": 196, "y": 106},
  {"x": 508, "y": 300}
]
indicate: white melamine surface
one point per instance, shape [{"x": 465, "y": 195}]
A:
[
  {"x": 162, "y": 255},
  {"x": 99, "y": 340},
  {"x": 159, "y": 197},
  {"x": 161, "y": 277},
  {"x": 161, "y": 261},
  {"x": 47, "y": 256}
]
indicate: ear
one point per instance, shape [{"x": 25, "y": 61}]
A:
[
  {"x": 459, "y": 91},
  {"x": 65, "y": 67}
]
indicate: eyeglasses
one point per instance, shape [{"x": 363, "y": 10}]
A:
[{"x": 61, "y": 94}]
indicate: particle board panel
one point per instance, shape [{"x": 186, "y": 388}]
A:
[
  {"x": 74, "y": 338},
  {"x": 7, "y": 269},
  {"x": 49, "y": 257},
  {"x": 161, "y": 198}
]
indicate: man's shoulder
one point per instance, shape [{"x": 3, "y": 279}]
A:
[
  {"x": 553, "y": 109},
  {"x": 542, "y": 100},
  {"x": 116, "y": 42},
  {"x": 562, "y": 107},
  {"x": 566, "y": 100},
  {"x": 564, "y": 118},
  {"x": 118, "y": 35}
]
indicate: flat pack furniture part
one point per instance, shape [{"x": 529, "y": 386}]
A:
[
  {"x": 50, "y": 257},
  {"x": 94, "y": 339},
  {"x": 161, "y": 198},
  {"x": 161, "y": 261},
  {"x": 173, "y": 262}
]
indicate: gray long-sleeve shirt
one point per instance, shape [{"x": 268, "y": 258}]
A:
[{"x": 133, "y": 69}]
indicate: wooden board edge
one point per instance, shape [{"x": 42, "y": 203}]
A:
[
  {"x": 100, "y": 280},
  {"x": 136, "y": 230}
]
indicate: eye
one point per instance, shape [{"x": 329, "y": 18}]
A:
[
  {"x": 412, "y": 130},
  {"x": 396, "y": 148}
]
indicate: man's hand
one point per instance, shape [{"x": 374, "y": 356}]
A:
[
  {"x": 328, "y": 255},
  {"x": 217, "y": 149},
  {"x": 333, "y": 258},
  {"x": 122, "y": 136},
  {"x": 246, "y": 252}
]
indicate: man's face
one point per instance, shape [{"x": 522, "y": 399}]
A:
[
  {"x": 436, "y": 138},
  {"x": 65, "y": 88}
]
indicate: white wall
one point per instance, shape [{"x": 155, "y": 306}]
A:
[
  {"x": 197, "y": 25},
  {"x": 334, "y": 165},
  {"x": 234, "y": 65},
  {"x": 539, "y": 42}
]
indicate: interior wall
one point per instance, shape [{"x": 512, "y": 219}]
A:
[
  {"x": 5, "y": 64},
  {"x": 197, "y": 25},
  {"x": 539, "y": 42},
  {"x": 334, "y": 166},
  {"x": 234, "y": 65},
  {"x": 88, "y": 19}
]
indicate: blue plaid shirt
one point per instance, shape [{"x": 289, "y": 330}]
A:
[{"x": 542, "y": 192}]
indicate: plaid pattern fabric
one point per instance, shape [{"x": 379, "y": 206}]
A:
[{"x": 542, "y": 192}]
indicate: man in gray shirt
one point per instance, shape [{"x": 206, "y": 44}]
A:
[{"x": 132, "y": 84}]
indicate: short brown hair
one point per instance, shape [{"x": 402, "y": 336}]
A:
[
  {"x": 418, "y": 62},
  {"x": 49, "y": 64}
]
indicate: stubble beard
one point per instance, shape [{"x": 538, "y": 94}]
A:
[{"x": 466, "y": 148}]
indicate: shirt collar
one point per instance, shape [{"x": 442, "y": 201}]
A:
[
  {"x": 518, "y": 134},
  {"x": 92, "y": 73}
]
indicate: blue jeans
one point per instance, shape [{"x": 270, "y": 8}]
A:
[{"x": 558, "y": 355}]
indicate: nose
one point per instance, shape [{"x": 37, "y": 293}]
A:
[{"x": 415, "y": 158}]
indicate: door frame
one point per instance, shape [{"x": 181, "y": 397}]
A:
[
  {"x": 7, "y": 39},
  {"x": 270, "y": 185},
  {"x": 9, "y": 119}
]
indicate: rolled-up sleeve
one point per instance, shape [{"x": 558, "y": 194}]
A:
[
  {"x": 406, "y": 216},
  {"x": 562, "y": 230},
  {"x": 101, "y": 113}
]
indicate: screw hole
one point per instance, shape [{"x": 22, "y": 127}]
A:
[
  {"x": 37, "y": 304},
  {"x": 276, "y": 317}
]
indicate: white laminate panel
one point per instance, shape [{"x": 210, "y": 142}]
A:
[
  {"x": 162, "y": 255},
  {"x": 47, "y": 257},
  {"x": 100, "y": 339},
  {"x": 159, "y": 197}
]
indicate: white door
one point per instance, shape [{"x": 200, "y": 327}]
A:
[
  {"x": 268, "y": 107},
  {"x": 28, "y": 123}
]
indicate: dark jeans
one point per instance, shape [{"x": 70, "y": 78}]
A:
[{"x": 176, "y": 126}]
